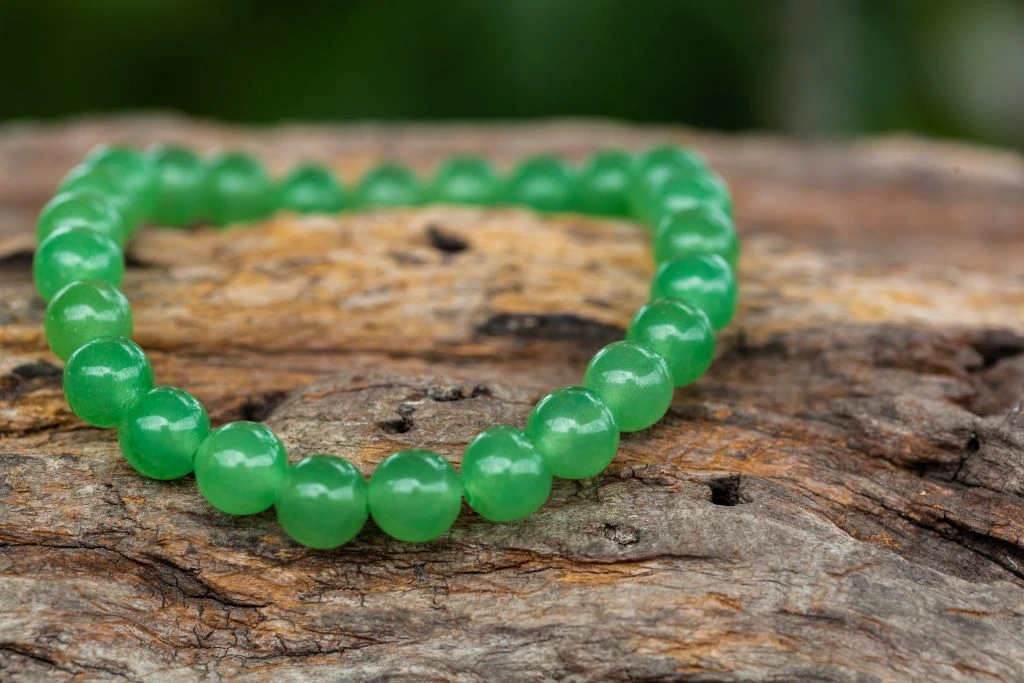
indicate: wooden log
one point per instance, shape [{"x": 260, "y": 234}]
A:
[{"x": 840, "y": 498}]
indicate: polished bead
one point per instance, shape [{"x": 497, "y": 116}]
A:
[
  {"x": 634, "y": 381},
  {"x": 680, "y": 333},
  {"x": 654, "y": 167},
  {"x": 605, "y": 182},
  {"x": 85, "y": 310},
  {"x": 134, "y": 172},
  {"x": 658, "y": 163},
  {"x": 237, "y": 189},
  {"x": 108, "y": 184},
  {"x": 465, "y": 180},
  {"x": 103, "y": 377},
  {"x": 322, "y": 502},
  {"x": 415, "y": 495},
  {"x": 680, "y": 192},
  {"x": 70, "y": 254},
  {"x": 503, "y": 475},
  {"x": 705, "y": 281},
  {"x": 311, "y": 189},
  {"x": 574, "y": 430},
  {"x": 543, "y": 183},
  {"x": 161, "y": 431},
  {"x": 693, "y": 231},
  {"x": 389, "y": 185},
  {"x": 81, "y": 209},
  {"x": 181, "y": 182},
  {"x": 240, "y": 467}
]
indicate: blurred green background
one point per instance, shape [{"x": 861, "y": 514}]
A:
[{"x": 949, "y": 68}]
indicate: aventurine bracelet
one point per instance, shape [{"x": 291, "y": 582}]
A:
[{"x": 413, "y": 495}]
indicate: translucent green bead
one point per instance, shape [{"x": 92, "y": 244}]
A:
[
  {"x": 85, "y": 310},
  {"x": 503, "y": 475},
  {"x": 322, "y": 502},
  {"x": 389, "y": 185},
  {"x": 103, "y": 377},
  {"x": 107, "y": 183},
  {"x": 81, "y": 209},
  {"x": 543, "y": 183},
  {"x": 237, "y": 189},
  {"x": 693, "y": 231},
  {"x": 181, "y": 182},
  {"x": 70, "y": 254},
  {"x": 161, "y": 431},
  {"x": 135, "y": 174},
  {"x": 654, "y": 167},
  {"x": 705, "y": 281},
  {"x": 311, "y": 189},
  {"x": 240, "y": 467},
  {"x": 684, "y": 192},
  {"x": 658, "y": 163},
  {"x": 574, "y": 430},
  {"x": 680, "y": 333},
  {"x": 415, "y": 495},
  {"x": 465, "y": 180},
  {"x": 634, "y": 381},
  {"x": 605, "y": 183}
]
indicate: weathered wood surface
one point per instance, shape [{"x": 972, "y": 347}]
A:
[{"x": 841, "y": 498}]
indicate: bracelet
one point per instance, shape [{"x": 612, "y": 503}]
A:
[{"x": 414, "y": 495}]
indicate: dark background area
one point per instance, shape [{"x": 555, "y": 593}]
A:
[{"x": 949, "y": 68}]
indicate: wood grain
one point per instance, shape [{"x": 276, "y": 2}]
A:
[{"x": 841, "y": 498}]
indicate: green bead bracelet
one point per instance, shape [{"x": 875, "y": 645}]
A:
[{"x": 323, "y": 501}]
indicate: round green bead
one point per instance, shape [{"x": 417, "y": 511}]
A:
[
  {"x": 134, "y": 171},
  {"x": 107, "y": 183},
  {"x": 658, "y": 163},
  {"x": 543, "y": 183},
  {"x": 322, "y": 502},
  {"x": 415, "y": 495},
  {"x": 693, "y": 231},
  {"x": 605, "y": 183},
  {"x": 389, "y": 185},
  {"x": 655, "y": 167},
  {"x": 237, "y": 189},
  {"x": 70, "y": 254},
  {"x": 181, "y": 182},
  {"x": 705, "y": 281},
  {"x": 465, "y": 180},
  {"x": 634, "y": 381},
  {"x": 680, "y": 333},
  {"x": 81, "y": 209},
  {"x": 161, "y": 431},
  {"x": 680, "y": 192},
  {"x": 311, "y": 189},
  {"x": 240, "y": 467},
  {"x": 503, "y": 475},
  {"x": 85, "y": 310},
  {"x": 574, "y": 430},
  {"x": 103, "y": 377}
]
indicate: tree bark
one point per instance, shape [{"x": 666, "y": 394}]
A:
[{"x": 840, "y": 498}]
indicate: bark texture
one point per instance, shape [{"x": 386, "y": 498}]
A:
[{"x": 840, "y": 498}]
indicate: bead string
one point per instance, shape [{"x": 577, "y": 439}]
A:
[{"x": 323, "y": 501}]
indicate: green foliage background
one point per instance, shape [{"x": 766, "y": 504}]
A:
[{"x": 811, "y": 67}]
